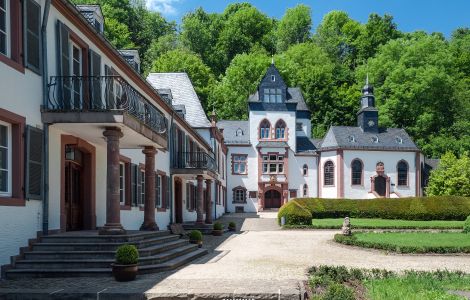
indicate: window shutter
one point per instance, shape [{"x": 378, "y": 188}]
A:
[
  {"x": 95, "y": 85},
  {"x": 34, "y": 156},
  {"x": 32, "y": 40},
  {"x": 187, "y": 195},
  {"x": 63, "y": 65},
  {"x": 139, "y": 187},
  {"x": 134, "y": 195},
  {"x": 167, "y": 200},
  {"x": 157, "y": 191},
  {"x": 164, "y": 189}
]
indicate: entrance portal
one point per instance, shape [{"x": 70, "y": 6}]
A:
[
  {"x": 380, "y": 185},
  {"x": 73, "y": 189},
  {"x": 272, "y": 199}
]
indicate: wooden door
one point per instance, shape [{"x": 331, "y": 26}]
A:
[
  {"x": 179, "y": 201},
  {"x": 272, "y": 199},
  {"x": 73, "y": 196},
  {"x": 380, "y": 185}
]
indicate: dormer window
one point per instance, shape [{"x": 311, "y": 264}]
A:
[
  {"x": 399, "y": 140},
  {"x": 375, "y": 139},
  {"x": 272, "y": 96},
  {"x": 352, "y": 139},
  {"x": 273, "y": 78},
  {"x": 239, "y": 132}
]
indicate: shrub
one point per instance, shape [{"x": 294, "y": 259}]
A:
[
  {"x": 127, "y": 255},
  {"x": 466, "y": 226},
  {"x": 218, "y": 226},
  {"x": 195, "y": 235},
  {"x": 338, "y": 291},
  {"x": 419, "y": 208},
  {"x": 295, "y": 214},
  {"x": 232, "y": 225}
]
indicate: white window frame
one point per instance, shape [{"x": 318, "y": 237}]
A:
[
  {"x": 240, "y": 160},
  {"x": 9, "y": 162},
  {"x": 122, "y": 183},
  {"x": 142, "y": 189},
  {"x": 239, "y": 193},
  {"x": 7, "y": 28},
  {"x": 158, "y": 192},
  {"x": 269, "y": 163},
  {"x": 305, "y": 190}
]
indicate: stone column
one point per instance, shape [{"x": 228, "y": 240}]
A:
[
  {"x": 209, "y": 202},
  {"x": 113, "y": 209},
  {"x": 200, "y": 200},
  {"x": 149, "y": 203}
]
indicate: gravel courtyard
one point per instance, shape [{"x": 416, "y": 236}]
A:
[{"x": 259, "y": 260}]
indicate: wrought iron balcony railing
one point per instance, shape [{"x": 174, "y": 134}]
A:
[
  {"x": 102, "y": 94},
  {"x": 195, "y": 160}
]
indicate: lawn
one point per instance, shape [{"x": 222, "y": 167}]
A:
[
  {"x": 386, "y": 224},
  {"x": 328, "y": 282},
  {"x": 410, "y": 242}
]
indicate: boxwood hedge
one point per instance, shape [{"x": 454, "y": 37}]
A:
[{"x": 415, "y": 208}]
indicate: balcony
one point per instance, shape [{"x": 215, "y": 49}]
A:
[
  {"x": 103, "y": 100},
  {"x": 194, "y": 163}
]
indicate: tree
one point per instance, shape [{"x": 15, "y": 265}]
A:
[
  {"x": 452, "y": 176},
  {"x": 182, "y": 60},
  {"x": 294, "y": 27},
  {"x": 159, "y": 47}
]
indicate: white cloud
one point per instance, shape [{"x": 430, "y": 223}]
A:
[{"x": 165, "y": 7}]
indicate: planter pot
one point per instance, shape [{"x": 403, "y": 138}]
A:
[
  {"x": 124, "y": 272},
  {"x": 217, "y": 232},
  {"x": 198, "y": 242}
]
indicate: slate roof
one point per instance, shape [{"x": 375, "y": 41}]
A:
[
  {"x": 433, "y": 163},
  {"x": 345, "y": 137},
  {"x": 230, "y": 131},
  {"x": 183, "y": 93},
  {"x": 272, "y": 144},
  {"x": 88, "y": 11},
  {"x": 306, "y": 144},
  {"x": 294, "y": 95}
]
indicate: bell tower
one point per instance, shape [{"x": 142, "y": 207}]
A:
[{"x": 368, "y": 115}]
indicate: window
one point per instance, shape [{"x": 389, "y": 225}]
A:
[
  {"x": 351, "y": 139},
  {"x": 273, "y": 78},
  {"x": 122, "y": 183},
  {"x": 31, "y": 30},
  {"x": 272, "y": 95},
  {"x": 298, "y": 126},
  {"x": 158, "y": 191},
  {"x": 356, "y": 172},
  {"x": 305, "y": 191},
  {"x": 374, "y": 139},
  {"x": 329, "y": 173},
  {"x": 402, "y": 170},
  {"x": 280, "y": 129},
  {"x": 305, "y": 170},
  {"x": 239, "y": 195},
  {"x": 142, "y": 188},
  {"x": 239, "y": 132},
  {"x": 264, "y": 130},
  {"x": 239, "y": 164},
  {"x": 4, "y": 27},
  {"x": 5, "y": 159},
  {"x": 273, "y": 164}
]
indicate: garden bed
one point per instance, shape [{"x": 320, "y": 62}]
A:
[
  {"x": 410, "y": 242},
  {"x": 327, "y": 282},
  {"x": 361, "y": 223}
]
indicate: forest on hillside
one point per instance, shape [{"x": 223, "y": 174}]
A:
[{"x": 421, "y": 80}]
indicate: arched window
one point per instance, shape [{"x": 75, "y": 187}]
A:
[
  {"x": 356, "y": 172},
  {"x": 305, "y": 170},
  {"x": 305, "y": 190},
  {"x": 402, "y": 170},
  {"x": 264, "y": 129},
  {"x": 280, "y": 129},
  {"x": 329, "y": 173}
]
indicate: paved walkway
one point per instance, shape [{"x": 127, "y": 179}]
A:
[{"x": 260, "y": 261}]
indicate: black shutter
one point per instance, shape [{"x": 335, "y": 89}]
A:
[
  {"x": 34, "y": 156},
  {"x": 95, "y": 80},
  {"x": 32, "y": 39},
  {"x": 134, "y": 170},
  {"x": 64, "y": 84}
]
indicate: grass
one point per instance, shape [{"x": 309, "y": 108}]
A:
[
  {"x": 410, "y": 242},
  {"x": 361, "y": 223},
  {"x": 338, "y": 282}
]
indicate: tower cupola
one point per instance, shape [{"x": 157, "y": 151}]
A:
[{"x": 368, "y": 115}]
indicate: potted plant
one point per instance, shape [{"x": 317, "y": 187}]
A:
[
  {"x": 218, "y": 229},
  {"x": 232, "y": 226},
  {"x": 195, "y": 237},
  {"x": 125, "y": 268}
]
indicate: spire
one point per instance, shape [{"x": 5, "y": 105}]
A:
[
  {"x": 213, "y": 116},
  {"x": 367, "y": 79},
  {"x": 368, "y": 89},
  {"x": 272, "y": 59}
]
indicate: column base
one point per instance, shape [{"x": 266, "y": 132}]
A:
[
  {"x": 112, "y": 229},
  {"x": 149, "y": 227},
  {"x": 208, "y": 222},
  {"x": 200, "y": 222}
]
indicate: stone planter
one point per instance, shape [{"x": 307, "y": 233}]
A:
[
  {"x": 217, "y": 232},
  {"x": 198, "y": 242},
  {"x": 124, "y": 272}
]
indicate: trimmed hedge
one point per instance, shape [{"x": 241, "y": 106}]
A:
[
  {"x": 466, "y": 226},
  {"x": 415, "y": 208},
  {"x": 295, "y": 214}
]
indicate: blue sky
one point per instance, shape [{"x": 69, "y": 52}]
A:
[{"x": 410, "y": 15}]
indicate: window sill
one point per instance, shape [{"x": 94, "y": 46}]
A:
[
  {"x": 11, "y": 63},
  {"x": 239, "y": 173},
  {"x": 234, "y": 202},
  {"x": 161, "y": 209},
  {"x": 126, "y": 207},
  {"x": 10, "y": 201}
]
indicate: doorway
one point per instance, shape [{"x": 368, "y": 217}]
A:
[
  {"x": 73, "y": 191},
  {"x": 179, "y": 201},
  {"x": 380, "y": 185},
  {"x": 272, "y": 199}
]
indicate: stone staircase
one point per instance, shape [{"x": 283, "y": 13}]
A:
[{"x": 85, "y": 253}]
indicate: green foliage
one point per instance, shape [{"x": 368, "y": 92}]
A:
[
  {"x": 127, "y": 255},
  {"x": 294, "y": 214},
  {"x": 232, "y": 225},
  {"x": 294, "y": 27},
  {"x": 452, "y": 176},
  {"x": 358, "y": 223},
  {"x": 430, "y": 208},
  {"x": 409, "y": 242},
  {"x": 466, "y": 226},
  {"x": 195, "y": 235},
  {"x": 336, "y": 291},
  {"x": 218, "y": 226}
]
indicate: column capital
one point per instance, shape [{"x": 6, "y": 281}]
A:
[
  {"x": 208, "y": 181},
  {"x": 149, "y": 151},
  {"x": 113, "y": 132},
  {"x": 199, "y": 177}
]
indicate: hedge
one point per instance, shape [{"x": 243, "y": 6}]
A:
[
  {"x": 416, "y": 208},
  {"x": 466, "y": 226},
  {"x": 295, "y": 214}
]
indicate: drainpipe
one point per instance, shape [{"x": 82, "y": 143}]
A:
[
  {"x": 45, "y": 141},
  {"x": 170, "y": 148}
]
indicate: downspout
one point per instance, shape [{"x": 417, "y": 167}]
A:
[
  {"x": 45, "y": 141},
  {"x": 170, "y": 148}
]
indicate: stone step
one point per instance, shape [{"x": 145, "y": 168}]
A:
[
  {"x": 101, "y": 246},
  {"x": 38, "y": 255},
  {"x": 95, "y": 238},
  {"x": 101, "y": 263},
  {"x": 97, "y": 272}
]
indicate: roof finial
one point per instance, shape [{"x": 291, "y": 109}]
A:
[
  {"x": 272, "y": 59},
  {"x": 367, "y": 79}
]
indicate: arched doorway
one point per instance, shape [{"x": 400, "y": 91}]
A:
[
  {"x": 380, "y": 185},
  {"x": 272, "y": 199}
]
